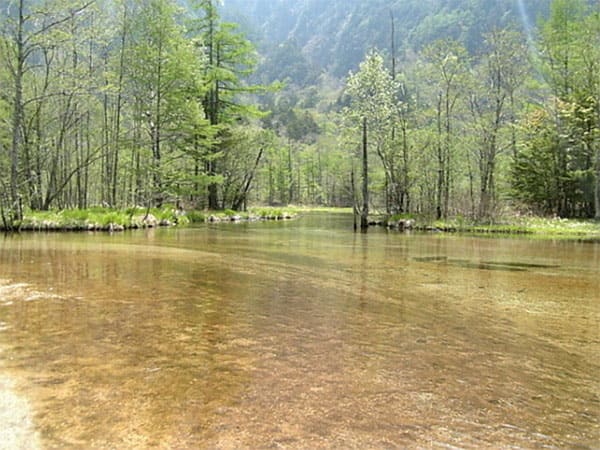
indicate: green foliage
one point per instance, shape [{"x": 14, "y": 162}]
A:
[
  {"x": 113, "y": 217},
  {"x": 373, "y": 91},
  {"x": 146, "y": 103},
  {"x": 171, "y": 116},
  {"x": 164, "y": 213},
  {"x": 287, "y": 63},
  {"x": 246, "y": 149},
  {"x": 301, "y": 126},
  {"x": 269, "y": 213},
  {"x": 534, "y": 173},
  {"x": 229, "y": 58},
  {"x": 557, "y": 169},
  {"x": 496, "y": 86},
  {"x": 195, "y": 216}
]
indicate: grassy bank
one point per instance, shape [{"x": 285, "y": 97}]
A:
[
  {"x": 516, "y": 225},
  {"x": 535, "y": 226},
  {"x": 99, "y": 219},
  {"x": 112, "y": 219}
]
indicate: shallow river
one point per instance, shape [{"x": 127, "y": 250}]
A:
[{"x": 298, "y": 335}]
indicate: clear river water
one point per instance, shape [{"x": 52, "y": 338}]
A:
[{"x": 298, "y": 334}]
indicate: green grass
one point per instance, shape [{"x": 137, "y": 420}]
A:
[
  {"x": 98, "y": 218},
  {"x": 295, "y": 210},
  {"x": 538, "y": 226},
  {"x": 557, "y": 226},
  {"x": 196, "y": 217},
  {"x": 321, "y": 209},
  {"x": 266, "y": 213},
  {"x": 271, "y": 212}
]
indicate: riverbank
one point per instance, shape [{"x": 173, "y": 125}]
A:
[
  {"x": 116, "y": 220},
  {"x": 554, "y": 227},
  {"x": 535, "y": 226}
]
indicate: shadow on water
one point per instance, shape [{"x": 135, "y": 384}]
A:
[{"x": 486, "y": 265}]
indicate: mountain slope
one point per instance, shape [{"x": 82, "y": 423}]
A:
[{"x": 335, "y": 34}]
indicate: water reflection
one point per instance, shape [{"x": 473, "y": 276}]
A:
[
  {"x": 302, "y": 335},
  {"x": 486, "y": 265}
]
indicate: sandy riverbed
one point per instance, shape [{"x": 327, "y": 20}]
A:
[{"x": 16, "y": 424}]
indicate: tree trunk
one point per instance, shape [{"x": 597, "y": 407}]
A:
[
  {"x": 156, "y": 132},
  {"x": 242, "y": 196},
  {"x": 271, "y": 183},
  {"x": 290, "y": 174},
  {"x": 440, "y": 161},
  {"x": 405, "y": 204},
  {"x": 211, "y": 102},
  {"x": 106, "y": 175},
  {"x": 597, "y": 190},
  {"x": 17, "y": 214},
  {"x": 393, "y": 45},
  {"x": 447, "y": 151},
  {"x": 364, "y": 214},
  {"x": 354, "y": 206}
]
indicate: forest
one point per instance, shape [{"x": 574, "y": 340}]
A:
[{"x": 151, "y": 102}]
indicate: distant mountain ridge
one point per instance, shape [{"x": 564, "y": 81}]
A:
[{"x": 334, "y": 35}]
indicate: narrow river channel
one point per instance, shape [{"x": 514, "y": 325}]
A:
[{"x": 298, "y": 335}]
